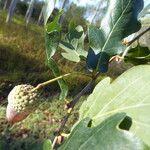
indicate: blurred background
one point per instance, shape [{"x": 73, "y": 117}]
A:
[{"x": 23, "y": 60}]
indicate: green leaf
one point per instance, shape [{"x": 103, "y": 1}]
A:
[
  {"x": 47, "y": 9},
  {"x": 54, "y": 25},
  {"x": 52, "y": 40},
  {"x": 75, "y": 33},
  {"x": 138, "y": 55},
  {"x": 52, "y": 36},
  {"x": 129, "y": 93},
  {"x": 72, "y": 25},
  {"x": 105, "y": 136},
  {"x": 74, "y": 45},
  {"x": 63, "y": 85},
  {"x": 119, "y": 22},
  {"x": 47, "y": 145}
]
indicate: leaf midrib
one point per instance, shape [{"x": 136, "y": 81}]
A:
[{"x": 109, "y": 36}]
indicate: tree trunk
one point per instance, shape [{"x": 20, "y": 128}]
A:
[
  {"x": 65, "y": 2},
  {"x": 0, "y": 2},
  {"x": 11, "y": 10},
  {"x": 99, "y": 10},
  {"x": 29, "y": 12},
  {"x": 5, "y": 4},
  {"x": 40, "y": 17}
]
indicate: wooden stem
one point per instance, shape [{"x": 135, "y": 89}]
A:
[{"x": 71, "y": 105}]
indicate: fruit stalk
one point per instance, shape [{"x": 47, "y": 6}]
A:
[{"x": 41, "y": 85}]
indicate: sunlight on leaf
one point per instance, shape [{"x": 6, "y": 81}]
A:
[
  {"x": 104, "y": 136},
  {"x": 128, "y": 93}
]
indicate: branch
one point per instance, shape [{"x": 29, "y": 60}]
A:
[
  {"x": 132, "y": 41},
  {"x": 71, "y": 105},
  {"x": 138, "y": 36}
]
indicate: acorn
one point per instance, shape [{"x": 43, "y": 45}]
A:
[{"x": 22, "y": 100}]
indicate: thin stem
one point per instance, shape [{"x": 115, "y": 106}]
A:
[
  {"x": 138, "y": 36},
  {"x": 71, "y": 106},
  {"x": 125, "y": 52},
  {"x": 39, "y": 86},
  {"x": 132, "y": 41}
]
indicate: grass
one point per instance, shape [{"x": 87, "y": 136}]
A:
[
  {"x": 22, "y": 51},
  {"x": 38, "y": 126}
]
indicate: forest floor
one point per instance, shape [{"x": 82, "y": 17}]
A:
[{"x": 22, "y": 60}]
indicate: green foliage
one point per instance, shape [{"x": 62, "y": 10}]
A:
[
  {"x": 47, "y": 145},
  {"x": 63, "y": 85},
  {"x": 138, "y": 55},
  {"x": 54, "y": 25},
  {"x": 74, "y": 45},
  {"x": 117, "y": 24},
  {"x": 76, "y": 14},
  {"x": 51, "y": 41},
  {"x": 105, "y": 136},
  {"x": 128, "y": 93},
  {"x": 52, "y": 38}
]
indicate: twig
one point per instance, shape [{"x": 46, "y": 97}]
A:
[
  {"x": 132, "y": 41},
  {"x": 125, "y": 52},
  {"x": 71, "y": 105},
  {"x": 39, "y": 86},
  {"x": 138, "y": 36}
]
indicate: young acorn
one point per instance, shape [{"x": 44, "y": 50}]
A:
[
  {"x": 21, "y": 102},
  {"x": 23, "y": 99}
]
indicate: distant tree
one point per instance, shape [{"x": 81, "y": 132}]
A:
[
  {"x": 64, "y": 4},
  {"x": 29, "y": 11},
  {"x": 0, "y": 2},
  {"x": 11, "y": 10},
  {"x": 37, "y": 10},
  {"x": 5, "y": 4},
  {"x": 40, "y": 16},
  {"x": 21, "y": 8},
  {"x": 76, "y": 14}
]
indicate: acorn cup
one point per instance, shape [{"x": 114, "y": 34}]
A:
[{"x": 24, "y": 99}]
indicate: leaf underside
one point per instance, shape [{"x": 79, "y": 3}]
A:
[
  {"x": 74, "y": 45},
  {"x": 105, "y": 136},
  {"x": 119, "y": 22},
  {"x": 129, "y": 93}
]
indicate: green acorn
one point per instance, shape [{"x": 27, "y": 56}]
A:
[{"x": 22, "y": 99}]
